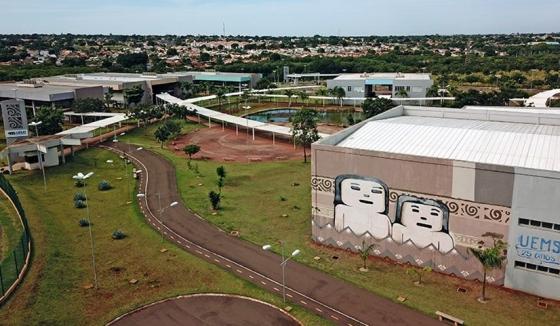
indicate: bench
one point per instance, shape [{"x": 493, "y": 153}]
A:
[{"x": 445, "y": 317}]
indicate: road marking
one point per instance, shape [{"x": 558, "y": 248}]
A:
[
  {"x": 289, "y": 295},
  {"x": 334, "y": 317},
  {"x": 228, "y": 266},
  {"x": 172, "y": 238},
  {"x": 276, "y": 289},
  {"x": 319, "y": 310},
  {"x": 239, "y": 271},
  {"x": 205, "y": 255},
  {"x": 263, "y": 282},
  {"x": 303, "y": 302},
  {"x": 158, "y": 228},
  {"x": 251, "y": 277},
  {"x": 187, "y": 246},
  {"x": 217, "y": 261},
  {"x": 198, "y": 252}
]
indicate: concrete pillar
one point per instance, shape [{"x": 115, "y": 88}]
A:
[
  {"x": 273, "y": 139},
  {"x": 209, "y": 122},
  {"x": 62, "y": 153},
  {"x": 33, "y": 106},
  {"x": 236, "y": 130},
  {"x": 253, "y": 133},
  {"x": 223, "y": 126}
]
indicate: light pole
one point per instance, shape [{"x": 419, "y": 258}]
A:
[
  {"x": 161, "y": 209},
  {"x": 81, "y": 177},
  {"x": 36, "y": 124},
  {"x": 247, "y": 108},
  {"x": 283, "y": 265},
  {"x": 125, "y": 174}
]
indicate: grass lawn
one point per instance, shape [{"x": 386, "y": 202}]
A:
[
  {"x": 56, "y": 291},
  {"x": 10, "y": 227},
  {"x": 257, "y": 195}
]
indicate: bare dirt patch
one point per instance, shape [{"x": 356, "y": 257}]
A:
[{"x": 225, "y": 145}]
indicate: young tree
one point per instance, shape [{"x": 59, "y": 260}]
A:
[
  {"x": 191, "y": 150},
  {"x": 51, "y": 119},
  {"x": 220, "y": 95},
  {"x": 133, "y": 95},
  {"x": 419, "y": 273},
  {"x": 304, "y": 129},
  {"x": 490, "y": 257},
  {"x": 340, "y": 93},
  {"x": 365, "y": 252},
  {"x": 289, "y": 93},
  {"x": 221, "y": 172},
  {"x": 88, "y": 104},
  {"x": 108, "y": 99},
  {"x": 372, "y": 107},
  {"x": 162, "y": 134},
  {"x": 215, "y": 199},
  {"x": 303, "y": 96}
]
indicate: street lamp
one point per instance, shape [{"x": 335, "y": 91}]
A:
[
  {"x": 36, "y": 124},
  {"x": 125, "y": 164},
  {"x": 161, "y": 209},
  {"x": 81, "y": 177},
  {"x": 247, "y": 108},
  {"x": 283, "y": 265}
]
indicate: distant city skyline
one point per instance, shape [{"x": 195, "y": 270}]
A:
[{"x": 280, "y": 17}]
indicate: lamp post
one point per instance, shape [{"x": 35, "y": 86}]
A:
[
  {"x": 247, "y": 108},
  {"x": 283, "y": 265},
  {"x": 81, "y": 177},
  {"x": 161, "y": 209},
  {"x": 36, "y": 124},
  {"x": 125, "y": 164}
]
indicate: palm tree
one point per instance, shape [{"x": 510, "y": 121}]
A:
[
  {"x": 220, "y": 95},
  {"x": 303, "y": 96},
  {"x": 402, "y": 93},
  {"x": 289, "y": 93},
  {"x": 322, "y": 92},
  {"x": 490, "y": 258},
  {"x": 364, "y": 253},
  {"x": 340, "y": 93},
  {"x": 187, "y": 89}
]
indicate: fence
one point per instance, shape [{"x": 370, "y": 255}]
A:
[{"x": 14, "y": 266}]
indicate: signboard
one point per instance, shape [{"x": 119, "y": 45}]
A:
[
  {"x": 15, "y": 119},
  {"x": 543, "y": 251}
]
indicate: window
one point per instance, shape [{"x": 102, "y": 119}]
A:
[
  {"x": 539, "y": 268},
  {"x": 538, "y": 224},
  {"x": 349, "y": 88}
]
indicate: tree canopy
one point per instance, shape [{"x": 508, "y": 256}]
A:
[{"x": 304, "y": 129}]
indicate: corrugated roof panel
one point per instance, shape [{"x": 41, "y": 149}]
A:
[{"x": 490, "y": 142}]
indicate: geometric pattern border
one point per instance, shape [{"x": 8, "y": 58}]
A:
[{"x": 463, "y": 208}]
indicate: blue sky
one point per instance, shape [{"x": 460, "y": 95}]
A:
[{"x": 280, "y": 17}]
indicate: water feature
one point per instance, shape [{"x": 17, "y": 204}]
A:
[{"x": 283, "y": 115}]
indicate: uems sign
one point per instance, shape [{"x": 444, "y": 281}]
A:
[{"x": 543, "y": 250}]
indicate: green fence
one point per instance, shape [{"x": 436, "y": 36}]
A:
[{"x": 14, "y": 265}]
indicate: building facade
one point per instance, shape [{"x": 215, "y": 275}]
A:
[
  {"x": 392, "y": 85},
  {"x": 427, "y": 184}
]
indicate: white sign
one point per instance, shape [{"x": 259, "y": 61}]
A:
[{"x": 15, "y": 118}]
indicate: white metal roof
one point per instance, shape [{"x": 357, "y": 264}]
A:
[
  {"x": 90, "y": 127},
  {"x": 491, "y": 142},
  {"x": 384, "y": 75}
]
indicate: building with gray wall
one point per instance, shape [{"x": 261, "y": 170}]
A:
[
  {"x": 426, "y": 184},
  {"x": 382, "y": 84}
]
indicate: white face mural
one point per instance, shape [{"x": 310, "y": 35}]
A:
[
  {"x": 366, "y": 194},
  {"x": 424, "y": 222},
  {"x": 361, "y": 206},
  {"x": 423, "y": 217}
]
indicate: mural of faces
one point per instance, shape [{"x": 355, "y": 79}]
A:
[{"x": 361, "y": 204}]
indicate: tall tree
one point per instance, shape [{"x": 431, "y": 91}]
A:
[
  {"x": 191, "y": 150},
  {"x": 133, "y": 95},
  {"x": 490, "y": 257},
  {"x": 304, "y": 97},
  {"x": 51, "y": 120},
  {"x": 88, "y": 104},
  {"x": 304, "y": 129},
  {"x": 289, "y": 93},
  {"x": 220, "y": 95},
  {"x": 373, "y": 107}
]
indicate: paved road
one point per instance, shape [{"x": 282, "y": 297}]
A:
[
  {"x": 208, "y": 309},
  {"x": 332, "y": 298}
]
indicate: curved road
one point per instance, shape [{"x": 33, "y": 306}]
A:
[{"x": 320, "y": 293}]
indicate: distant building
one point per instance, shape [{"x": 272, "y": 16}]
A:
[
  {"x": 382, "y": 84},
  {"x": 426, "y": 184},
  {"x": 36, "y": 93},
  {"x": 235, "y": 79},
  {"x": 151, "y": 83}
]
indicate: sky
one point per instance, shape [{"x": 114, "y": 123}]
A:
[{"x": 280, "y": 17}]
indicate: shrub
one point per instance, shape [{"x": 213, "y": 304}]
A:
[
  {"x": 80, "y": 204},
  {"x": 83, "y": 222},
  {"x": 215, "y": 199},
  {"x": 104, "y": 185},
  {"x": 79, "y": 183},
  {"x": 80, "y": 196},
  {"x": 118, "y": 235}
]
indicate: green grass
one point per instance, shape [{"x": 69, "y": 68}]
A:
[
  {"x": 253, "y": 206},
  {"x": 55, "y": 292},
  {"x": 10, "y": 227}
]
